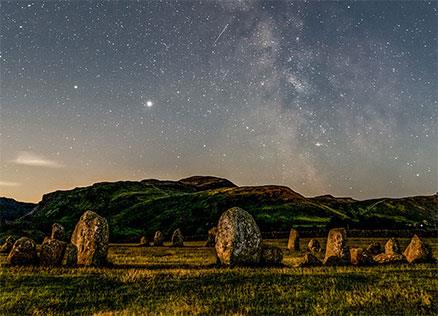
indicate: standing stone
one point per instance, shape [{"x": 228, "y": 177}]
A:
[
  {"x": 309, "y": 260},
  {"x": 211, "y": 239},
  {"x": 91, "y": 236},
  {"x": 384, "y": 258},
  {"x": 360, "y": 257},
  {"x": 70, "y": 257},
  {"x": 271, "y": 255},
  {"x": 57, "y": 232},
  {"x": 337, "y": 252},
  {"x": 313, "y": 246},
  {"x": 158, "y": 239},
  {"x": 374, "y": 248},
  {"x": 392, "y": 247},
  {"x": 144, "y": 241},
  {"x": 177, "y": 238},
  {"x": 52, "y": 252},
  {"x": 23, "y": 252},
  {"x": 7, "y": 245},
  {"x": 238, "y": 239},
  {"x": 293, "y": 243},
  {"x": 418, "y": 251}
]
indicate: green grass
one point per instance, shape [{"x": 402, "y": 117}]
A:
[{"x": 165, "y": 280}]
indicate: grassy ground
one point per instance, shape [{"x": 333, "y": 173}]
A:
[{"x": 166, "y": 280}]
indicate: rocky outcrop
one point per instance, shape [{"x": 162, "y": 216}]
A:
[
  {"x": 238, "y": 239},
  {"x": 337, "y": 252},
  {"x": 158, "y": 238},
  {"x": 271, "y": 255},
  {"x": 177, "y": 238},
  {"x": 211, "y": 238},
  {"x": 24, "y": 252},
  {"x": 57, "y": 232},
  {"x": 91, "y": 237},
  {"x": 418, "y": 251},
  {"x": 52, "y": 252},
  {"x": 293, "y": 243}
]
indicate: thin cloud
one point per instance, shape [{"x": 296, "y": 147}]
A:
[
  {"x": 34, "y": 160},
  {"x": 9, "y": 184}
]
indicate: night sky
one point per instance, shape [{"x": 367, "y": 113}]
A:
[{"x": 324, "y": 97}]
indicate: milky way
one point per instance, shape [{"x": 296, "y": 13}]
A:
[{"x": 324, "y": 97}]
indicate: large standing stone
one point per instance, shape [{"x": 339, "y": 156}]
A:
[
  {"x": 418, "y": 251},
  {"x": 360, "y": 257},
  {"x": 309, "y": 260},
  {"x": 91, "y": 236},
  {"x": 52, "y": 252},
  {"x": 271, "y": 255},
  {"x": 238, "y": 239},
  {"x": 293, "y": 243},
  {"x": 23, "y": 252},
  {"x": 57, "y": 232},
  {"x": 7, "y": 245},
  {"x": 392, "y": 247},
  {"x": 177, "y": 238},
  {"x": 70, "y": 257},
  {"x": 337, "y": 252},
  {"x": 211, "y": 238},
  {"x": 158, "y": 238},
  {"x": 313, "y": 246}
]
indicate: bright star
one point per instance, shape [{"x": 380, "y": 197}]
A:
[{"x": 149, "y": 103}]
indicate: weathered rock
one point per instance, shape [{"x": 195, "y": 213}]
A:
[
  {"x": 238, "y": 239},
  {"x": 52, "y": 252},
  {"x": 337, "y": 252},
  {"x": 70, "y": 257},
  {"x": 360, "y": 257},
  {"x": 57, "y": 232},
  {"x": 309, "y": 260},
  {"x": 158, "y": 238},
  {"x": 211, "y": 239},
  {"x": 374, "y": 248},
  {"x": 23, "y": 252},
  {"x": 271, "y": 255},
  {"x": 293, "y": 243},
  {"x": 91, "y": 236},
  {"x": 144, "y": 241},
  {"x": 392, "y": 247},
  {"x": 177, "y": 238},
  {"x": 384, "y": 258},
  {"x": 7, "y": 245},
  {"x": 313, "y": 246},
  {"x": 418, "y": 251}
]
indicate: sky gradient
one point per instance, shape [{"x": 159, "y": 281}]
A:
[{"x": 324, "y": 97}]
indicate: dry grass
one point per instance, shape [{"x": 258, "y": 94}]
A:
[{"x": 166, "y": 280}]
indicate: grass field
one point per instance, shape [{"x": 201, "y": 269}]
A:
[{"x": 170, "y": 281}]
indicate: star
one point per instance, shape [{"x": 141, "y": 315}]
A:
[{"x": 149, "y": 103}]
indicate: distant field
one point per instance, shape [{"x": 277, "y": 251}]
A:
[{"x": 166, "y": 280}]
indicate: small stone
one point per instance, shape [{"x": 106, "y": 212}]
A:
[
  {"x": 57, "y": 232},
  {"x": 158, "y": 239},
  {"x": 177, "y": 238},
  {"x": 271, "y": 255},
  {"x": 360, "y": 257},
  {"x": 309, "y": 260},
  {"x": 144, "y": 242},
  {"x": 7, "y": 245},
  {"x": 70, "y": 257},
  {"x": 293, "y": 243},
  {"x": 385, "y": 258},
  {"x": 23, "y": 252},
  {"x": 211, "y": 239},
  {"x": 392, "y": 247},
  {"x": 418, "y": 251},
  {"x": 313, "y": 246},
  {"x": 52, "y": 252},
  {"x": 374, "y": 248}
]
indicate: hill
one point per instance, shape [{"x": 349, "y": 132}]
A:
[
  {"x": 135, "y": 208},
  {"x": 11, "y": 210}
]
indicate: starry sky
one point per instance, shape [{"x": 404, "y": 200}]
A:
[{"x": 324, "y": 97}]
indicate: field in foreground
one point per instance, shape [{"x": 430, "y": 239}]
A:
[{"x": 166, "y": 280}]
